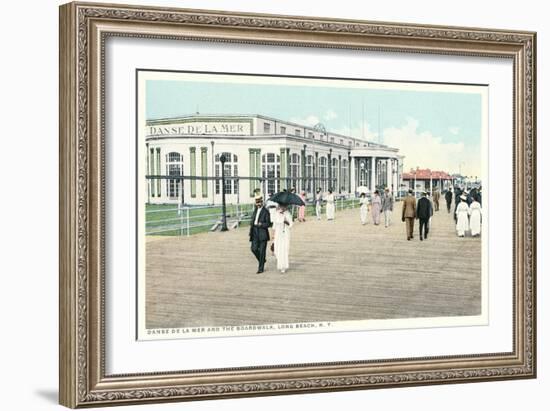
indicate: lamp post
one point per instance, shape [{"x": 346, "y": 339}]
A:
[{"x": 224, "y": 215}]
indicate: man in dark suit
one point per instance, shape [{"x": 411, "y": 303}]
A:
[
  {"x": 424, "y": 211},
  {"x": 409, "y": 213},
  {"x": 259, "y": 232},
  {"x": 449, "y": 199}
]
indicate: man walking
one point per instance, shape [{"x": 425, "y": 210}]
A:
[
  {"x": 259, "y": 232},
  {"x": 449, "y": 199},
  {"x": 387, "y": 206},
  {"x": 409, "y": 213},
  {"x": 424, "y": 211},
  {"x": 436, "y": 199}
]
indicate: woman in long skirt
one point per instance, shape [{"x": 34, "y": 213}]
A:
[
  {"x": 282, "y": 222},
  {"x": 475, "y": 218},
  {"x": 364, "y": 210},
  {"x": 461, "y": 212},
  {"x": 330, "y": 205},
  {"x": 302, "y": 209},
  {"x": 318, "y": 201},
  {"x": 376, "y": 206}
]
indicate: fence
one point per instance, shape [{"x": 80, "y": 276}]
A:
[{"x": 171, "y": 220}]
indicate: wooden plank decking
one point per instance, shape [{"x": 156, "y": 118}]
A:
[{"x": 340, "y": 270}]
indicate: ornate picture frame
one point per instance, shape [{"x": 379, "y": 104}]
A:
[{"x": 84, "y": 29}]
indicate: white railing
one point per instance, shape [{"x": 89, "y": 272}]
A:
[{"x": 185, "y": 218}]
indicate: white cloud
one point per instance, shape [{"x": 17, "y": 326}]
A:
[
  {"x": 425, "y": 150},
  {"x": 330, "y": 115},
  {"x": 454, "y": 130},
  {"x": 310, "y": 120}
]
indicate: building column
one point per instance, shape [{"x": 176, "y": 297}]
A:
[
  {"x": 349, "y": 172},
  {"x": 339, "y": 174},
  {"x": 288, "y": 184},
  {"x": 193, "y": 170},
  {"x": 148, "y": 172},
  {"x": 160, "y": 185},
  {"x": 315, "y": 172},
  {"x": 388, "y": 173},
  {"x": 303, "y": 183},
  {"x": 329, "y": 171},
  {"x": 212, "y": 173},
  {"x": 204, "y": 171},
  {"x": 253, "y": 169},
  {"x": 282, "y": 172},
  {"x": 373, "y": 174}
]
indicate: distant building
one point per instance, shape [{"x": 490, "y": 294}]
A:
[
  {"x": 275, "y": 154},
  {"x": 427, "y": 180}
]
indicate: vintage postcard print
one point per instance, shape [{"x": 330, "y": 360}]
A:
[{"x": 277, "y": 205}]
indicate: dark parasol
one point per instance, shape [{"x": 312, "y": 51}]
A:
[{"x": 287, "y": 198}]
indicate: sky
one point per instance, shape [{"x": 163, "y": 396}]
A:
[{"x": 440, "y": 130}]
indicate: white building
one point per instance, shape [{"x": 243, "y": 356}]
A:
[{"x": 267, "y": 153}]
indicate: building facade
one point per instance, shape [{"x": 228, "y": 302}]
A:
[
  {"x": 427, "y": 180},
  {"x": 264, "y": 153}
]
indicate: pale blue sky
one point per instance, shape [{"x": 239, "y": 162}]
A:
[{"x": 452, "y": 120}]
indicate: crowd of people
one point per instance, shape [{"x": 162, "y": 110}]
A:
[
  {"x": 467, "y": 211},
  {"x": 280, "y": 217}
]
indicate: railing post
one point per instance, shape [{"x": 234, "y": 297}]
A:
[
  {"x": 187, "y": 216},
  {"x": 181, "y": 220}
]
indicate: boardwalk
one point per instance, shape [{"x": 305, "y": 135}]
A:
[{"x": 339, "y": 270}]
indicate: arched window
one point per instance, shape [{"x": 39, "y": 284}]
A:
[
  {"x": 309, "y": 173},
  {"x": 323, "y": 174},
  {"x": 334, "y": 175},
  {"x": 174, "y": 167},
  {"x": 231, "y": 169},
  {"x": 271, "y": 172},
  {"x": 294, "y": 170}
]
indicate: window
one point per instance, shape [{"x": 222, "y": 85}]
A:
[
  {"x": 174, "y": 167},
  {"x": 231, "y": 169},
  {"x": 341, "y": 142},
  {"x": 332, "y": 139},
  {"x": 283, "y": 130},
  {"x": 271, "y": 172},
  {"x": 267, "y": 128},
  {"x": 297, "y": 132},
  {"x": 310, "y": 135}
]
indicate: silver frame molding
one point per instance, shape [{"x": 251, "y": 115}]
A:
[{"x": 83, "y": 30}]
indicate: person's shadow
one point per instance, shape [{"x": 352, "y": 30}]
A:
[{"x": 51, "y": 395}]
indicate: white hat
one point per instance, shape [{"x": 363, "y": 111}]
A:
[{"x": 463, "y": 197}]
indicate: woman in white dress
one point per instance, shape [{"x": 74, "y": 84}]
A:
[
  {"x": 282, "y": 222},
  {"x": 475, "y": 218},
  {"x": 364, "y": 201},
  {"x": 462, "y": 212},
  {"x": 330, "y": 205}
]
